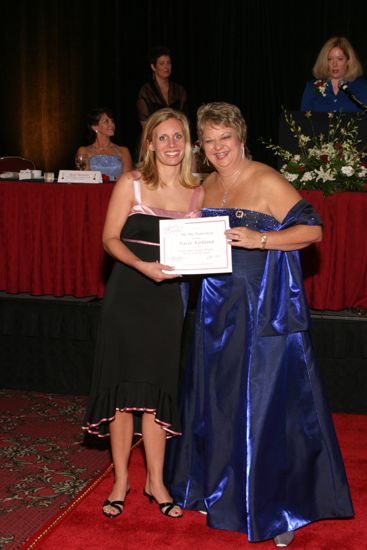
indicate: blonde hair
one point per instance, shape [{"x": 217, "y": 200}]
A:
[
  {"x": 147, "y": 163},
  {"x": 220, "y": 113},
  {"x": 354, "y": 69}
]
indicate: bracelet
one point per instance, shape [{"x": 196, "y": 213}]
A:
[{"x": 263, "y": 240}]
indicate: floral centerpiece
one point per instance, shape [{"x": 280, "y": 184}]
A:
[{"x": 328, "y": 162}]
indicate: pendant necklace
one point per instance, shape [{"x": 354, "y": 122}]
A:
[{"x": 226, "y": 191}]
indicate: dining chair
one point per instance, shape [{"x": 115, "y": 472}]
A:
[{"x": 15, "y": 164}]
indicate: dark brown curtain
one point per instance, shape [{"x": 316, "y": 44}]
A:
[{"x": 59, "y": 58}]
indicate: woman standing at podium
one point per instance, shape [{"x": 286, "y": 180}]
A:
[{"x": 338, "y": 86}]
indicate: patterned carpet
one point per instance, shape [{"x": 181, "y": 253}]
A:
[{"x": 45, "y": 460}]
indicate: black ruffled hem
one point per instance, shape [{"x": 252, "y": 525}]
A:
[{"x": 131, "y": 397}]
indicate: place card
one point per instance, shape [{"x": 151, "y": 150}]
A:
[
  {"x": 80, "y": 176},
  {"x": 25, "y": 174}
]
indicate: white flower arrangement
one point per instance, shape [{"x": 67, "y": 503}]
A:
[
  {"x": 200, "y": 164},
  {"x": 329, "y": 162},
  {"x": 196, "y": 148}
]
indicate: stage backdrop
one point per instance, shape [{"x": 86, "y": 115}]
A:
[{"x": 59, "y": 58}]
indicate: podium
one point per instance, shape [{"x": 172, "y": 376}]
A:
[{"x": 316, "y": 124}]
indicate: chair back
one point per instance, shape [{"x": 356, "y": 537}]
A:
[{"x": 15, "y": 164}]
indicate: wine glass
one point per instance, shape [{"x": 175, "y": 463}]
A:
[{"x": 81, "y": 161}]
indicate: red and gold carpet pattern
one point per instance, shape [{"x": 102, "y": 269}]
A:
[{"x": 44, "y": 460}]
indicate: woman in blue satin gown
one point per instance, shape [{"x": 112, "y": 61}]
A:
[
  {"x": 102, "y": 154},
  {"x": 258, "y": 452}
]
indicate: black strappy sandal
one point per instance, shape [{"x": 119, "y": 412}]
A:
[
  {"x": 117, "y": 504},
  {"x": 165, "y": 507}
]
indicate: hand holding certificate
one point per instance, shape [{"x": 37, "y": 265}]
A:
[{"x": 195, "y": 245}]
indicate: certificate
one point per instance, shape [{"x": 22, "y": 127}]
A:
[{"x": 195, "y": 245}]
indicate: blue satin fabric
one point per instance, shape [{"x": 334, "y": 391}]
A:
[
  {"x": 258, "y": 451},
  {"x": 109, "y": 165}
]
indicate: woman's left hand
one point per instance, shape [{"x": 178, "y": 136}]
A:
[{"x": 243, "y": 237}]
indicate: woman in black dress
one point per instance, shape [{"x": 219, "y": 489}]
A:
[
  {"x": 161, "y": 91},
  {"x": 138, "y": 349}
]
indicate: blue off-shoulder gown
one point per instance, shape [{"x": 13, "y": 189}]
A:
[{"x": 258, "y": 452}]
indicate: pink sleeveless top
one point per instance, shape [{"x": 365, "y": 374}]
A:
[{"x": 140, "y": 208}]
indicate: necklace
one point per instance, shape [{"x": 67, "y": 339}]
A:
[
  {"x": 100, "y": 148},
  {"x": 226, "y": 191}
]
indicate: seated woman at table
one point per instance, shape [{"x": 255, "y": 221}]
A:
[
  {"x": 104, "y": 155},
  {"x": 337, "y": 86}
]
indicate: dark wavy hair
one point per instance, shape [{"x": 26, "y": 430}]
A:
[
  {"x": 93, "y": 118},
  {"x": 157, "y": 52}
]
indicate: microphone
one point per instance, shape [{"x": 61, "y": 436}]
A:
[{"x": 343, "y": 86}]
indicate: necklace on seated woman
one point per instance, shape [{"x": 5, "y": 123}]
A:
[
  {"x": 99, "y": 147},
  {"x": 226, "y": 191}
]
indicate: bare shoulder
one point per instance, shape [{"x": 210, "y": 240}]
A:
[
  {"x": 279, "y": 193},
  {"x": 124, "y": 184},
  {"x": 126, "y": 158},
  {"x": 264, "y": 173},
  {"x": 129, "y": 177},
  {"x": 273, "y": 181},
  {"x": 124, "y": 150}
]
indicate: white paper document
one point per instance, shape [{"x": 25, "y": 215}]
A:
[{"x": 195, "y": 245}]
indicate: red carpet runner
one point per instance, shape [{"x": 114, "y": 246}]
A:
[{"x": 143, "y": 527}]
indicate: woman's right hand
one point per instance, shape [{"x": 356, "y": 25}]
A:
[{"x": 154, "y": 270}]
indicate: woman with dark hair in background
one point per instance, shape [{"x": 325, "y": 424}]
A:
[
  {"x": 337, "y": 68},
  {"x": 160, "y": 91},
  {"x": 104, "y": 155}
]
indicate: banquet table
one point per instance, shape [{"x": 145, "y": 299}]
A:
[
  {"x": 51, "y": 238},
  {"x": 335, "y": 270},
  {"x": 50, "y": 244}
]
